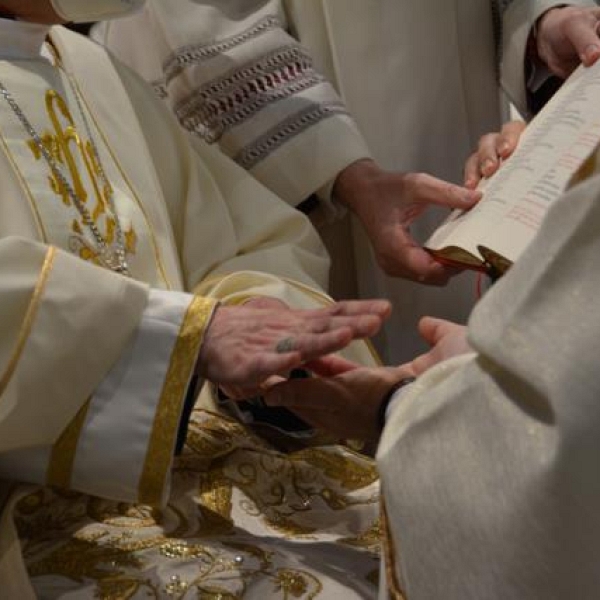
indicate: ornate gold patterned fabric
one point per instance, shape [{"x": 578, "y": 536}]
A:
[{"x": 245, "y": 521}]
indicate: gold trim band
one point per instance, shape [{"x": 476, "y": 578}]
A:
[
  {"x": 166, "y": 421},
  {"x": 62, "y": 457},
  {"x": 28, "y": 320},
  {"x": 389, "y": 556}
]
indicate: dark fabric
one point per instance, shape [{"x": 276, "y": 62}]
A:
[
  {"x": 536, "y": 101},
  {"x": 186, "y": 413}
]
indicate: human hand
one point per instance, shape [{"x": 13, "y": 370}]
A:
[
  {"x": 346, "y": 405},
  {"x": 243, "y": 346},
  {"x": 387, "y": 203},
  {"x": 493, "y": 149},
  {"x": 238, "y": 392},
  {"x": 446, "y": 339},
  {"x": 567, "y": 36}
]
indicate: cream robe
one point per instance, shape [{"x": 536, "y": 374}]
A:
[
  {"x": 74, "y": 413},
  {"x": 419, "y": 79},
  {"x": 489, "y": 463}
]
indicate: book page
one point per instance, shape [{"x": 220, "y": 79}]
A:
[{"x": 516, "y": 199}]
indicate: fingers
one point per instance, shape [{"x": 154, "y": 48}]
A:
[
  {"x": 488, "y": 159},
  {"x": 492, "y": 150},
  {"x": 330, "y": 366},
  {"x": 582, "y": 32},
  {"x": 432, "y": 329},
  {"x": 312, "y": 346},
  {"x": 265, "y": 302},
  {"x": 509, "y": 138},
  {"x": 303, "y": 393},
  {"x": 431, "y": 190},
  {"x": 410, "y": 261},
  {"x": 567, "y": 36},
  {"x": 351, "y": 308},
  {"x": 472, "y": 171},
  {"x": 262, "y": 366}
]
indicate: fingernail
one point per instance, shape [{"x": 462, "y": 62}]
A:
[
  {"x": 591, "y": 52},
  {"x": 504, "y": 148},
  {"x": 473, "y": 196},
  {"x": 470, "y": 182},
  {"x": 487, "y": 165}
]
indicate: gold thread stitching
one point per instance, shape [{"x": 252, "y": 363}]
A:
[
  {"x": 29, "y": 318},
  {"x": 62, "y": 458},
  {"x": 26, "y": 189},
  {"x": 160, "y": 448},
  {"x": 157, "y": 254}
]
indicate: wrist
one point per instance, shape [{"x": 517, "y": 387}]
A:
[
  {"x": 199, "y": 367},
  {"x": 351, "y": 183},
  {"x": 385, "y": 401}
]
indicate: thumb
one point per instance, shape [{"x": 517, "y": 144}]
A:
[
  {"x": 330, "y": 366},
  {"x": 432, "y": 330},
  {"x": 583, "y": 34},
  {"x": 287, "y": 394},
  {"x": 435, "y": 191}
]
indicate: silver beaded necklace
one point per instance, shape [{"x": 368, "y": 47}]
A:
[{"x": 112, "y": 256}]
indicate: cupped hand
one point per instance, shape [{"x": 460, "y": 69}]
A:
[
  {"x": 387, "y": 204},
  {"x": 446, "y": 339},
  {"x": 492, "y": 150},
  {"x": 568, "y": 36},
  {"x": 243, "y": 345},
  {"x": 346, "y": 404}
]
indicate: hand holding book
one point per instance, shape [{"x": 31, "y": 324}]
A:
[
  {"x": 551, "y": 152},
  {"x": 493, "y": 149}
]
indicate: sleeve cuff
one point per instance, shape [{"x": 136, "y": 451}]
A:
[
  {"x": 122, "y": 442},
  {"x": 395, "y": 401}
]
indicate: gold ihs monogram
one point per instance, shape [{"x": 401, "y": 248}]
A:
[{"x": 64, "y": 144}]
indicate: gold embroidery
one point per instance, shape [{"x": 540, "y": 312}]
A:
[
  {"x": 162, "y": 440},
  {"x": 64, "y": 144},
  {"x": 229, "y": 475},
  {"x": 295, "y": 584},
  {"x": 26, "y": 190},
  {"x": 29, "y": 318},
  {"x": 215, "y": 496},
  {"x": 352, "y": 473},
  {"x": 369, "y": 539},
  {"x": 389, "y": 557},
  {"x": 62, "y": 457}
]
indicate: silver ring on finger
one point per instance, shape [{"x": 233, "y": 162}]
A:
[{"x": 285, "y": 346}]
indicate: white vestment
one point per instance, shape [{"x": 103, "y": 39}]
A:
[
  {"x": 489, "y": 463},
  {"x": 418, "y": 78},
  {"x": 94, "y": 367}
]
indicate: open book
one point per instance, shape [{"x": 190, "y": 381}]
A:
[{"x": 556, "y": 148}]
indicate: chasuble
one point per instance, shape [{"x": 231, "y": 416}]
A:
[
  {"x": 285, "y": 87},
  {"x": 94, "y": 366},
  {"x": 489, "y": 463}
]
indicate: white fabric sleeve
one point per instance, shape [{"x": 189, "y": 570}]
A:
[
  {"x": 395, "y": 401},
  {"x": 245, "y": 84},
  {"x": 120, "y": 418},
  {"x": 118, "y": 431}
]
